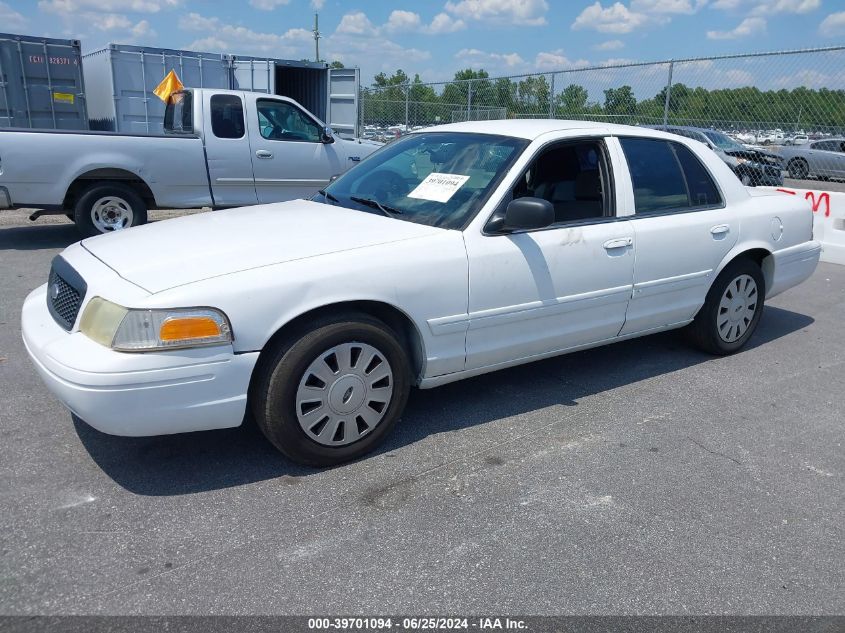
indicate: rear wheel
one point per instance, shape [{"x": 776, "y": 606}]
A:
[
  {"x": 106, "y": 207},
  {"x": 332, "y": 393},
  {"x": 732, "y": 309},
  {"x": 798, "y": 169}
]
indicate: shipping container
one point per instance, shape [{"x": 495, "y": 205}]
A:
[
  {"x": 120, "y": 80},
  {"x": 41, "y": 83},
  {"x": 329, "y": 93}
]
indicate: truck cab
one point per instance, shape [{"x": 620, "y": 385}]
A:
[{"x": 260, "y": 148}]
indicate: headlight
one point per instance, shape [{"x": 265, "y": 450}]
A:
[{"x": 128, "y": 330}]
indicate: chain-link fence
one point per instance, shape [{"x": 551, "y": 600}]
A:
[{"x": 793, "y": 101}]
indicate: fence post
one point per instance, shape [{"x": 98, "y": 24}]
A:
[
  {"x": 407, "y": 103},
  {"x": 552, "y": 97},
  {"x": 668, "y": 94},
  {"x": 469, "y": 99}
]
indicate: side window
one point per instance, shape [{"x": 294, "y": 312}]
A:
[
  {"x": 656, "y": 175},
  {"x": 227, "y": 116},
  {"x": 574, "y": 177},
  {"x": 667, "y": 176},
  {"x": 281, "y": 121},
  {"x": 828, "y": 146},
  {"x": 703, "y": 192}
]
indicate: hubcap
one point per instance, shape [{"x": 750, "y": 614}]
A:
[
  {"x": 737, "y": 308},
  {"x": 344, "y": 394},
  {"x": 111, "y": 213}
]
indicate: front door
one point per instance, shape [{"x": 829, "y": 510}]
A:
[
  {"x": 548, "y": 290},
  {"x": 290, "y": 159}
]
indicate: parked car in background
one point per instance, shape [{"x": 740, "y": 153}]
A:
[
  {"x": 798, "y": 139},
  {"x": 816, "y": 159},
  {"x": 221, "y": 148},
  {"x": 452, "y": 252},
  {"x": 753, "y": 167}
]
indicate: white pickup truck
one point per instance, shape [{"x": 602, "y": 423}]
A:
[{"x": 221, "y": 148}]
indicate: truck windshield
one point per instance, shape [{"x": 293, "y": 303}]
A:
[
  {"x": 437, "y": 178},
  {"x": 723, "y": 141}
]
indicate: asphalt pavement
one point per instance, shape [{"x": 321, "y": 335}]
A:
[{"x": 643, "y": 477}]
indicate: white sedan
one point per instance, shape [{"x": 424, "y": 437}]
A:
[{"x": 452, "y": 252}]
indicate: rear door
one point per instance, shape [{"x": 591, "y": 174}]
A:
[
  {"x": 226, "y": 135},
  {"x": 682, "y": 232},
  {"x": 290, "y": 159},
  {"x": 343, "y": 101}
]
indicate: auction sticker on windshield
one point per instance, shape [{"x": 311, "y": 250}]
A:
[{"x": 438, "y": 187}]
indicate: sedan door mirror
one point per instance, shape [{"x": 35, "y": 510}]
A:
[
  {"x": 523, "y": 214},
  {"x": 327, "y": 136}
]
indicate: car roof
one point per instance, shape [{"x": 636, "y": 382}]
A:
[{"x": 534, "y": 128}]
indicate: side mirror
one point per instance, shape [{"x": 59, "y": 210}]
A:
[
  {"x": 523, "y": 214},
  {"x": 327, "y": 136}
]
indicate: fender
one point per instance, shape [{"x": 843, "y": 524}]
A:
[{"x": 743, "y": 246}]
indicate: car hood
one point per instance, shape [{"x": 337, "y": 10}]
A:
[
  {"x": 755, "y": 155},
  {"x": 183, "y": 250}
]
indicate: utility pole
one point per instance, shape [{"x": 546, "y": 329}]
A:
[{"x": 317, "y": 35}]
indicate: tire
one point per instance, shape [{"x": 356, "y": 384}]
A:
[
  {"x": 107, "y": 207},
  {"x": 324, "y": 425},
  {"x": 735, "y": 308},
  {"x": 798, "y": 169}
]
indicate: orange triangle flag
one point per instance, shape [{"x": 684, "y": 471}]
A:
[{"x": 168, "y": 86}]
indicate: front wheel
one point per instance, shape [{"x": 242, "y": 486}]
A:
[
  {"x": 331, "y": 394},
  {"x": 106, "y": 207},
  {"x": 798, "y": 169},
  {"x": 732, "y": 309}
]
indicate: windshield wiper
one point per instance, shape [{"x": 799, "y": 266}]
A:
[
  {"x": 328, "y": 196},
  {"x": 375, "y": 204}
]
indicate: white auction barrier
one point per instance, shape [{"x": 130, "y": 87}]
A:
[{"x": 828, "y": 221}]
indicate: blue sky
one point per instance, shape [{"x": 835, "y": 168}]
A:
[{"x": 437, "y": 38}]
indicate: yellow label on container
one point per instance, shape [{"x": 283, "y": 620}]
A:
[{"x": 63, "y": 97}]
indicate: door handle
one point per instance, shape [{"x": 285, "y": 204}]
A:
[
  {"x": 263, "y": 153},
  {"x": 622, "y": 242},
  {"x": 720, "y": 229}
]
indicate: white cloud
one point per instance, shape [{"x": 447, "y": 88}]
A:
[
  {"x": 402, "y": 21},
  {"x": 510, "y": 12},
  {"x": 616, "y": 18},
  {"x": 268, "y": 5},
  {"x": 834, "y": 24},
  {"x": 749, "y": 26},
  {"x": 317, "y": 4},
  {"x": 356, "y": 24},
  {"x": 513, "y": 63},
  {"x": 109, "y": 21},
  {"x": 71, "y": 7},
  {"x": 230, "y": 38},
  {"x": 767, "y": 7},
  {"x": 805, "y": 79},
  {"x": 666, "y": 6},
  {"x": 610, "y": 45},
  {"x": 727, "y": 5},
  {"x": 11, "y": 19}
]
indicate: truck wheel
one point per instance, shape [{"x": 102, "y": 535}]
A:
[
  {"x": 332, "y": 393},
  {"x": 798, "y": 169},
  {"x": 107, "y": 207},
  {"x": 732, "y": 309}
]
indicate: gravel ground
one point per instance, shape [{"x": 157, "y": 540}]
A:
[{"x": 639, "y": 478}]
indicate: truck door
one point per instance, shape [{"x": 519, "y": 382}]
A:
[
  {"x": 226, "y": 135},
  {"x": 290, "y": 158},
  {"x": 342, "y": 111}
]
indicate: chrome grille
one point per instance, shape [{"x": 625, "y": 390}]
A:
[{"x": 64, "y": 294}]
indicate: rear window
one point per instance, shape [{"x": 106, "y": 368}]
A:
[
  {"x": 227, "y": 116},
  {"x": 178, "y": 115},
  {"x": 667, "y": 177}
]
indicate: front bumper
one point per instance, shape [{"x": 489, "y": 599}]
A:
[
  {"x": 136, "y": 394},
  {"x": 794, "y": 265}
]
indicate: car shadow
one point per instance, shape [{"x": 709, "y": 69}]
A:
[
  {"x": 38, "y": 237},
  {"x": 209, "y": 460}
]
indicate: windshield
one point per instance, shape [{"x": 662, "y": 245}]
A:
[
  {"x": 438, "y": 178},
  {"x": 723, "y": 141}
]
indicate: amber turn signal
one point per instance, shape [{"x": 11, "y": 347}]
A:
[{"x": 189, "y": 328}]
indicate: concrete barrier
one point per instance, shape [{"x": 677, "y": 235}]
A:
[{"x": 828, "y": 222}]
